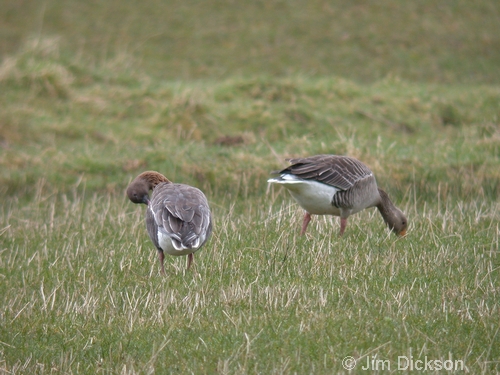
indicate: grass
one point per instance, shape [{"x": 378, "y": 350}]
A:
[
  {"x": 82, "y": 291},
  {"x": 80, "y": 286},
  {"x": 362, "y": 41}
]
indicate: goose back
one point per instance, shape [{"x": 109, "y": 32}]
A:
[{"x": 178, "y": 218}]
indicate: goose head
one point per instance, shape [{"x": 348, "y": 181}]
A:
[
  {"x": 138, "y": 192},
  {"x": 393, "y": 216}
]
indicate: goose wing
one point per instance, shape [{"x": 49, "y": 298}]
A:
[
  {"x": 182, "y": 212},
  {"x": 341, "y": 172}
]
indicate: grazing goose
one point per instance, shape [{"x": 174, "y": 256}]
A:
[
  {"x": 337, "y": 185},
  {"x": 178, "y": 218}
]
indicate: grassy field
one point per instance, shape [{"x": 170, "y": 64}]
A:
[
  {"x": 425, "y": 40},
  {"x": 80, "y": 287}
]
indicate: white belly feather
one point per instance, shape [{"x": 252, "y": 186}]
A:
[
  {"x": 168, "y": 247},
  {"x": 314, "y": 197}
]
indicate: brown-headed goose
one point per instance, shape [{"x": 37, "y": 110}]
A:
[
  {"x": 337, "y": 185},
  {"x": 178, "y": 217}
]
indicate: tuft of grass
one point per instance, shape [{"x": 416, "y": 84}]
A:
[{"x": 36, "y": 70}]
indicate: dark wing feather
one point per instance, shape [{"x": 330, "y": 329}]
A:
[
  {"x": 182, "y": 211},
  {"x": 341, "y": 172}
]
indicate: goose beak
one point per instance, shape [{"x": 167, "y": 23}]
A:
[{"x": 402, "y": 233}]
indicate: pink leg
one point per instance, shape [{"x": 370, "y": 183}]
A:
[
  {"x": 190, "y": 260},
  {"x": 161, "y": 257},
  {"x": 343, "y": 224},
  {"x": 307, "y": 219}
]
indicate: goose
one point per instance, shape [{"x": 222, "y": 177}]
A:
[
  {"x": 178, "y": 218},
  {"x": 337, "y": 185}
]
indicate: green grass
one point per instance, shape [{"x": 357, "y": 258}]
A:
[
  {"x": 82, "y": 292},
  {"x": 425, "y": 40},
  {"x": 80, "y": 287}
]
